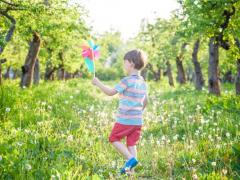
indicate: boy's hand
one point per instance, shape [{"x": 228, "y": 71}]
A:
[{"x": 95, "y": 81}]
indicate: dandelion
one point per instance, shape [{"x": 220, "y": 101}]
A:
[
  {"x": 113, "y": 164},
  {"x": 19, "y": 144},
  {"x": 197, "y": 132},
  {"x": 175, "y": 137},
  {"x": 213, "y": 164},
  {"x": 43, "y": 103},
  {"x": 82, "y": 157},
  {"x": 70, "y": 138},
  {"x": 198, "y": 107},
  {"x": 8, "y": 109},
  {"x": 28, "y": 167},
  {"x": 91, "y": 108},
  {"x": 27, "y": 131},
  {"x": 224, "y": 171},
  {"x": 228, "y": 134},
  {"x": 195, "y": 177}
]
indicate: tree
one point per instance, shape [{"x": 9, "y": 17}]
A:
[
  {"x": 61, "y": 27},
  {"x": 217, "y": 24},
  {"x": 199, "y": 81}
]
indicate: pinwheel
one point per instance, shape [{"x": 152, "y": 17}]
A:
[{"x": 90, "y": 52}]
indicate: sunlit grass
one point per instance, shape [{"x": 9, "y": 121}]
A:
[{"x": 60, "y": 130}]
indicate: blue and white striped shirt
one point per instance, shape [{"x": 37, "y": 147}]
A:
[{"x": 132, "y": 91}]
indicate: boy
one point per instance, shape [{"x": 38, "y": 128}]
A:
[{"x": 133, "y": 99}]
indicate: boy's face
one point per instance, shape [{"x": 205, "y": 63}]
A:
[{"x": 128, "y": 66}]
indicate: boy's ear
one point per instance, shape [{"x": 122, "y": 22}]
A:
[{"x": 132, "y": 64}]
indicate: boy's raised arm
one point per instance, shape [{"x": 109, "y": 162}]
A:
[{"x": 107, "y": 90}]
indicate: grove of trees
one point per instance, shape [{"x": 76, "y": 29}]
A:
[{"x": 199, "y": 43}]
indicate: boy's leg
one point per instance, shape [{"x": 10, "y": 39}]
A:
[
  {"x": 122, "y": 149},
  {"x": 133, "y": 150}
]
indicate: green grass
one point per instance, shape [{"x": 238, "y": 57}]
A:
[{"x": 60, "y": 130}]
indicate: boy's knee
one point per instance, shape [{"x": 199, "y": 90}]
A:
[{"x": 111, "y": 139}]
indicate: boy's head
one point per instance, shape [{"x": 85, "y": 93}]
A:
[{"x": 137, "y": 58}]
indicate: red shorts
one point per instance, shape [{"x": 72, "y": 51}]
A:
[{"x": 131, "y": 132}]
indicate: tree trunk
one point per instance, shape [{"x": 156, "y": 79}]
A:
[
  {"x": 49, "y": 71},
  {"x": 68, "y": 76},
  {"x": 157, "y": 74},
  {"x": 181, "y": 77},
  {"x": 0, "y": 73},
  {"x": 228, "y": 77},
  {"x": 144, "y": 71},
  {"x": 49, "y": 74},
  {"x": 36, "y": 75},
  {"x": 7, "y": 38},
  {"x": 61, "y": 70},
  {"x": 61, "y": 73},
  {"x": 1, "y": 62},
  {"x": 213, "y": 71},
  {"x": 199, "y": 81},
  {"x": 28, "y": 68},
  {"x": 7, "y": 74},
  {"x": 238, "y": 78},
  {"x": 169, "y": 74}
]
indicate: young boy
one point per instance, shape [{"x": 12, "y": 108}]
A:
[{"x": 133, "y": 99}]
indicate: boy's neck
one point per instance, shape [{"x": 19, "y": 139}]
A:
[{"x": 134, "y": 72}]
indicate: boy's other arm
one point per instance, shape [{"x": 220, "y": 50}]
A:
[
  {"x": 107, "y": 90},
  {"x": 145, "y": 102}
]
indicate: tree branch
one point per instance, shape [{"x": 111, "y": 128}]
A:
[
  {"x": 224, "y": 43},
  {"x": 3, "y": 60},
  {"x": 12, "y": 28},
  {"x": 8, "y": 3}
]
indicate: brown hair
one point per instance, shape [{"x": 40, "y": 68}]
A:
[{"x": 137, "y": 57}]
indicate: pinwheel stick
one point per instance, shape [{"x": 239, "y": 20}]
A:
[{"x": 93, "y": 64}]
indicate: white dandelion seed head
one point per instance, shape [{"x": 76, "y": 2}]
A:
[
  {"x": 224, "y": 171},
  {"x": 8, "y": 109},
  {"x": 28, "y": 167},
  {"x": 70, "y": 138},
  {"x": 213, "y": 164},
  {"x": 193, "y": 160},
  {"x": 195, "y": 177},
  {"x": 228, "y": 134}
]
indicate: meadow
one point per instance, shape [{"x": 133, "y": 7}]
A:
[{"x": 59, "y": 130}]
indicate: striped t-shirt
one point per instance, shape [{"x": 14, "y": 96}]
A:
[{"x": 132, "y": 91}]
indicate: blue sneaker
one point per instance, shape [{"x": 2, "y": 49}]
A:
[{"x": 129, "y": 165}]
